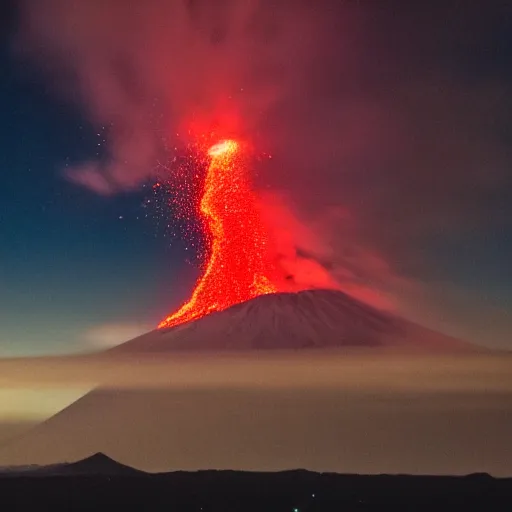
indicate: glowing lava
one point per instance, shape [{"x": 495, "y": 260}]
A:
[{"x": 239, "y": 267}]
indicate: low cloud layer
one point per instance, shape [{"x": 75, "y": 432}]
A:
[
  {"x": 350, "y": 412},
  {"x": 359, "y": 371},
  {"x": 112, "y": 334}
]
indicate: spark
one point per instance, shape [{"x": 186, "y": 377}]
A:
[
  {"x": 174, "y": 200},
  {"x": 239, "y": 266}
]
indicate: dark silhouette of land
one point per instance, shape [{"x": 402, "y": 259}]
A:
[{"x": 101, "y": 484}]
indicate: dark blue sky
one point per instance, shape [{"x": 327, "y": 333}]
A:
[
  {"x": 69, "y": 258},
  {"x": 436, "y": 207}
]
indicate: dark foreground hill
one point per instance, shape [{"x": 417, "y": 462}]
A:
[
  {"x": 97, "y": 465},
  {"x": 230, "y": 491}
]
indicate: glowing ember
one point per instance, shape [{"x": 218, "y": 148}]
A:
[
  {"x": 239, "y": 267},
  {"x": 226, "y": 146}
]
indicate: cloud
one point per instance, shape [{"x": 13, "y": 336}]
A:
[
  {"x": 311, "y": 255},
  {"x": 112, "y": 334},
  {"x": 148, "y": 72},
  {"x": 90, "y": 176},
  {"x": 387, "y": 371}
]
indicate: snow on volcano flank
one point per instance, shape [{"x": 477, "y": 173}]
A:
[{"x": 307, "y": 319}]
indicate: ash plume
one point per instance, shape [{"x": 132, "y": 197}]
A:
[{"x": 380, "y": 132}]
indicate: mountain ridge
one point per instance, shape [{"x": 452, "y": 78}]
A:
[
  {"x": 90, "y": 465},
  {"x": 98, "y": 464}
]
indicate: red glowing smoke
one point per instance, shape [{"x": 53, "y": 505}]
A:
[{"x": 240, "y": 266}]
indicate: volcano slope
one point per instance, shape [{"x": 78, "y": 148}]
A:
[{"x": 305, "y": 320}]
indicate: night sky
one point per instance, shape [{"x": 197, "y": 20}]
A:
[
  {"x": 391, "y": 136},
  {"x": 71, "y": 260}
]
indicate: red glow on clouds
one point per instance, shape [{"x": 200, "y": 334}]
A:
[{"x": 240, "y": 266}]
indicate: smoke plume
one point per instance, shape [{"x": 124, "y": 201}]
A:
[{"x": 382, "y": 135}]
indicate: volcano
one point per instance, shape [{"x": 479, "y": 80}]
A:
[
  {"x": 238, "y": 301},
  {"x": 282, "y": 321}
]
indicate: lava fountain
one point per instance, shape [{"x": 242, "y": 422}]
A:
[{"x": 240, "y": 266}]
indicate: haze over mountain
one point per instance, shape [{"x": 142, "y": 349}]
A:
[
  {"x": 335, "y": 424},
  {"x": 330, "y": 429}
]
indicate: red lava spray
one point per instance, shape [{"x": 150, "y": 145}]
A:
[{"x": 240, "y": 266}]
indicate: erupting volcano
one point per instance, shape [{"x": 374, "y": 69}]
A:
[{"x": 240, "y": 266}]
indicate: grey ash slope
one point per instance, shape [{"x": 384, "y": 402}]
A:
[{"x": 282, "y": 321}]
